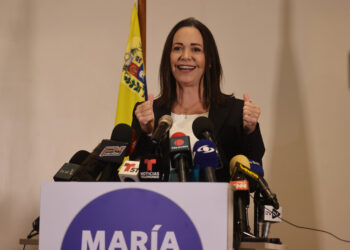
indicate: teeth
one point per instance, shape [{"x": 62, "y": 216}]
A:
[{"x": 186, "y": 67}]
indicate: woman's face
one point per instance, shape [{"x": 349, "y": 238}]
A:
[{"x": 187, "y": 57}]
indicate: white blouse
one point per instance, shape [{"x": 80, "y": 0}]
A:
[{"x": 183, "y": 123}]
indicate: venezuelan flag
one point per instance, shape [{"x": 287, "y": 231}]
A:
[{"x": 132, "y": 87}]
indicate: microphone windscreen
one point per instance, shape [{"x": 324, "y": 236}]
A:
[
  {"x": 238, "y": 158},
  {"x": 166, "y": 119},
  {"x": 200, "y": 125},
  {"x": 79, "y": 157},
  {"x": 122, "y": 133},
  {"x": 164, "y": 124},
  {"x": 256, "y": 168},
  {"x": 205, "y": 154},
  {"x": 252, "y": 165}
]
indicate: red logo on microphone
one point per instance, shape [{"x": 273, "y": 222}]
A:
[
  {"x": 179, "y": 142},
  {"x": 240, "y": 185},
  {"x": 150, "y": 163},
  {"x": 128, "y": 166}
]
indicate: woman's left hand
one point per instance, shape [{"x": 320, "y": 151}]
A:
[{"x": 251, "y": 113}]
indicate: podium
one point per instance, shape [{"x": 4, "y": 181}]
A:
[
  {"x": 78, "y": 215},
  {"x": 138, "y": 215}
]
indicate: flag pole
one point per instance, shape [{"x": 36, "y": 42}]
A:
[{"x": 142, "y": 20}]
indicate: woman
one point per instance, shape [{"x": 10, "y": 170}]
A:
[{"x": 190, "y": 76}]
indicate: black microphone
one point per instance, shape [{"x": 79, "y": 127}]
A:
[
  {"x": 180, "y": 154},
  {"x": 206, "y": 159},
  {"x": 203, "y": 128},
  {"x": 103, "y": 162},
  {"x": 122, "y": 133},
  {"x": 164, "y": 124},
  {"x": 66, "y": 172},
  {"x": 237, "y": 164}
]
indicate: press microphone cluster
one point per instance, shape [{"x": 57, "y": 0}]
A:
[
  {"x": 149, "y": 164},
  {"x": 239, "y": 164},
  {"x": 105, "y": 159},
  {"x": 246, "y": 174}
]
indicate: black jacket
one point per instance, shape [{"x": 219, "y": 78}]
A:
[{"x": 228, "y": 131}]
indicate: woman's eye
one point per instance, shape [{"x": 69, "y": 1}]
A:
[
  {"x": 177, "y": 48},
  {"x": 196, "y": 49}
]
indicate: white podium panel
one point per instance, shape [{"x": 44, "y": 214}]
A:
[{"x": 136, "y": 216}]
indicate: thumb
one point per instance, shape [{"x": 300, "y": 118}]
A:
[{"x": 246, "y": 97}]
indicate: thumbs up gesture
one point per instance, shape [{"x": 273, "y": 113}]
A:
[
  {"x": 251, "y": 113},
  {"x": 145, "y": 115}
]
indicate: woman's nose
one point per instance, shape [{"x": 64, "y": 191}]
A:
[{"x": 186, "y": 54}]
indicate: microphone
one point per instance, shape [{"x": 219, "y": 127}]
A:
[
  {"x": 102, "y": 163},
  {"x": 180, "y": 154},
  {"x": 203, "y": 128},
  {"x": 150, "y": 169},
  {"x": 66, "y": 172},
  {"x": 241, "y": 203},
  {"x": 253, "y": 165},
  {"x": 237, "y": 164},
  {"x": 122, "y": 132},
  {"x": 206, "y": 158},
  {"x": 122, "y": 135},
  {"x": 164, "y": 124},
  {"x": 129, "y": 171}
]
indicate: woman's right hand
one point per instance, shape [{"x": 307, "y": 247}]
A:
[{"x": 145, "y": 115}]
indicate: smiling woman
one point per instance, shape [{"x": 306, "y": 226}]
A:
[
  {"x": 192, "y": 44},
  {"x": 190, "y": 77}
]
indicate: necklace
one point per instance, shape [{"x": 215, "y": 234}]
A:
[{"x": 186, "y": 113}]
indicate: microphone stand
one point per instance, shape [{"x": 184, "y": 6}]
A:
[{"x": 259, "y": 204}]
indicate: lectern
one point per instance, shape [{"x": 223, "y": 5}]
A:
[{"x": 136, "y": 215}]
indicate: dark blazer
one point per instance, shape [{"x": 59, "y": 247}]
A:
[{"x": 228, "y": 131}]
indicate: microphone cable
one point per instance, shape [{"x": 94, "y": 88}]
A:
[{"x": 309, "y": 228}]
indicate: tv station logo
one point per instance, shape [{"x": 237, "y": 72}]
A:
[
  {"x": 240, "y": 185},
  {"x": 131, "y": 219},
  {"x": 110, "y": 151},
  {"x": 271, "y": 214},
  {"x": 150, "y": 169},
  {"x": 129, "y": 171}
]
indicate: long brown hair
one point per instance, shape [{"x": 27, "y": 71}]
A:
[{"x": 212, "y": 73}]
